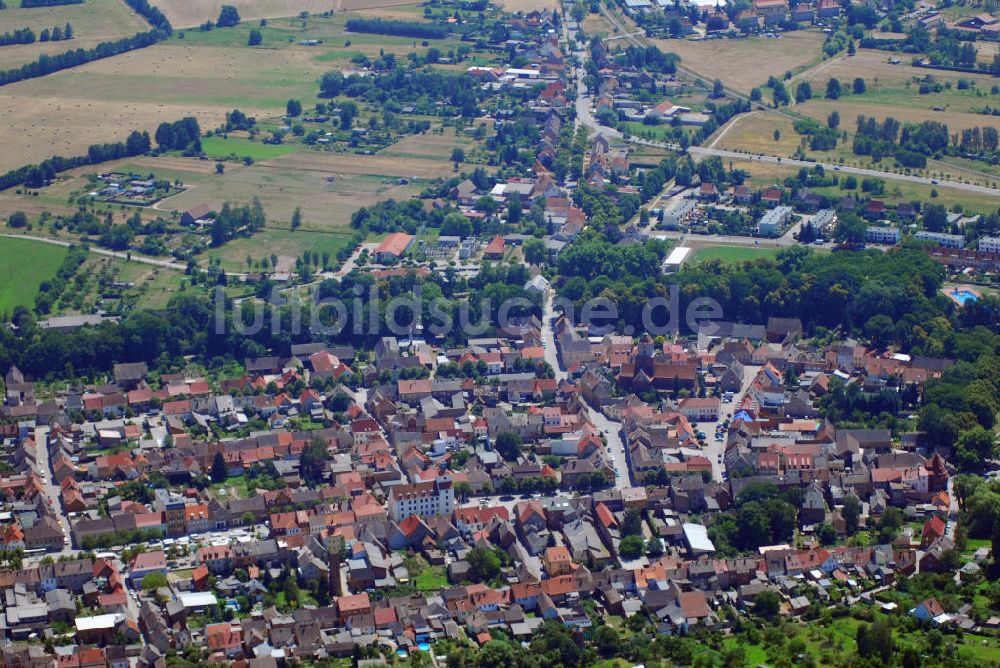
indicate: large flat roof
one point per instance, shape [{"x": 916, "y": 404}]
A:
[
  {"x": 96, "y": 622},
  {"x": 677, "y": 255},
  {"x": 200, "y": 599},
  {"x": 697, "y": 538}
]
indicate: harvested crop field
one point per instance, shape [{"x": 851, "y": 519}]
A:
[
  {"x": 187, "y": 13},
  {"x": 93, "y": 22},
  {"x": 282, "y": 184},
  {"x": 379, "y": 165},
  {"x": 63, "y": 113},
  {"x": 743, "y": 64},
  {"x": 873, "y": 64}
]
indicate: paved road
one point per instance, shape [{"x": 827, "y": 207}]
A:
[
  {"x": 715, "y": 449},
  {"x": 611, "y": 430},
  {"x": 699, "y": 152},
  {"x": 49, "y": 487},
  {"x": 908, "y": 178}
]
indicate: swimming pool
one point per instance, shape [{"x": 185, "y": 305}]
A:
[{"x": 963, "y": 296}]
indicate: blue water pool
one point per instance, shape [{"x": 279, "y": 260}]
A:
[
  {"x": 962, "y": 296},
  {"x": 424, "y": 647}
]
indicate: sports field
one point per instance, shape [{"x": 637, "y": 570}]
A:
[
  {"x": 24, "y": 265},
  {"x": 733, "y": 253}
]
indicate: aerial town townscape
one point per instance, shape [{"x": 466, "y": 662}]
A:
[{"x": 499, "y": 333}]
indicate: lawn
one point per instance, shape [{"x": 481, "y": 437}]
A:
[
  {"x": 733, "y": 253},
  {"x": 223, "y": 147},
  {"x": 24, "y": 265},
  {"x": 433, "y": 579}
]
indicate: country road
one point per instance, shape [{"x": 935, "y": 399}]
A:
[
  {"x": 586, "y": 118},
  {"x": 127, "y": 256}
]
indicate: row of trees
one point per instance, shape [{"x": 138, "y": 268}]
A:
[
  {"x": 153, "y": 16},
  {"x": 28, "y": 4},
  {"x": 27, "y": 35},
  {"x": 37, "y": 176},
  {"x": 47, "y": 64},
  {"x": 232, "y": 222},
  {"x": 182, "y": 135},
  {"x": 397, "y": 28}
]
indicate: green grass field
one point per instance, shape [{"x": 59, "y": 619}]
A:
[
  {"x": 24, "y": 265},
  {"x": 431, "y": 580},
  {"x": 733, "y": 253},
  {"x": 221, "y": 147}
]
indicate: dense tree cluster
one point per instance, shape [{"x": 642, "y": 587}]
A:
[
  {"x": 182, "y": 135},
  {"x": 398, "y": 28},
  {"x": 237, "y": 120},
  {"x": 824, "y": 290},
  {"x": 762, "y": 515},
  {"x": 400, "y": 85},
  {"x": 650, "y": 58},
  {"x": 909, "y": 144}
]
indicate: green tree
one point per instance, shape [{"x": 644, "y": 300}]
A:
[
  {"x": 255, "y": 38},
  {"x": 630, "y": 547},
  {"x": 312, "y": 461},
  {"x": 833, "y": 120},
  {"x": 297, "y": 218},
  {"x": 293, "y": 108},
  {"x": 508, "y": 445},
  {"x": 228, "y": 17},
  {"x": 484, "y": 564},
  {"x": 859, "y": 86},
  {"x": 534, "y": 251},
  {"x": 632, "y": 523},
  {"x": 218, "y": 468},
  {"x": 767, "y": 604},
  {"x": 17, "y": 219},
  {"x": 803, "y": 91},
  {"x": 833, "y": 89},
  {"x": 851, "y": 513},
  {"x": 153, "y": 581}
]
